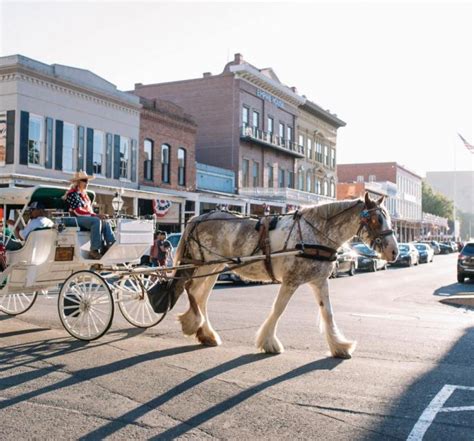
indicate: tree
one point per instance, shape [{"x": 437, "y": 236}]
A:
[{"x": 435, "y": 203}]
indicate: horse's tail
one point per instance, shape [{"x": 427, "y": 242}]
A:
[{"x": 164, "y": 295}]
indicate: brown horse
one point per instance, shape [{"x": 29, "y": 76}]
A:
[{"x": 220, "y": 235}]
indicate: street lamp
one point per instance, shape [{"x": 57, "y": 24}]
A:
[{"x": 117, "y": 203}]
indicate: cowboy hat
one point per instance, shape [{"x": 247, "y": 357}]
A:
[{"x": 81, "y": 175}]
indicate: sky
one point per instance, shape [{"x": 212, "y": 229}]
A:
[{"x": 399, "y": 74}]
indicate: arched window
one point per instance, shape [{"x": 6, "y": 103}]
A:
[
  {"x": 325, "y": 188},
  {"x": 301, "y": 179},
  {"x": 317, "y": 184},
  {"x": 165, "y": 163},
  {"x": 181, "y": 166},
  {"x": 333, "y": 189},
  {"x": 148, "y": 160},
  {"x": 309, "y": 182}
]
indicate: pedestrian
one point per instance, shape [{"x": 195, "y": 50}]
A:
[
  {"x": 80, "y": 206},
  {"x": 160, "y": 249}
]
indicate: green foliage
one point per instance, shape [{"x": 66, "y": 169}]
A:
[
  {"x": 436, "y": 203},
  {"x": 467, "y": 225}
]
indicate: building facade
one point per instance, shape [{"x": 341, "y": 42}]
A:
[
  {"x": 247, "y": 123},
  {"x": 403, "y": 189},
  {"x": 61, "y": 119}
]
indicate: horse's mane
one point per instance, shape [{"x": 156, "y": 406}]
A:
[{"x": 331, "y": 209}]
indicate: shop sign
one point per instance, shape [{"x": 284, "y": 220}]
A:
[{"x": 272, "y": 99}]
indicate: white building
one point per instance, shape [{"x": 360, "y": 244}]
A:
[{"x": 55, "y": 120}]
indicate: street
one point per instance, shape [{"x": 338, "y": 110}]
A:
[{"x": 410, "y": 376}]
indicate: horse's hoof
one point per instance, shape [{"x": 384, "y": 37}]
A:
[
  {"x": 208, "y": 340},
  {"x": 343, "y": 355},
  {"x": 274, "y": 347}
]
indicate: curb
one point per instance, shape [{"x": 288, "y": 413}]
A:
[{"x": 466, "y": 299}]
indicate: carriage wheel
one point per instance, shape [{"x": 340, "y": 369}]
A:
[
  {"x": 86, "y": 305},
  {"x": 134, "y": 304},
  {"x": 17, "y": 303}
]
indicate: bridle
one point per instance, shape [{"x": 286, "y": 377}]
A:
[{"x": 371, "y": 220}]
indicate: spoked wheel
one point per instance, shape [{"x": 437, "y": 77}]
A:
[
  {"x": 86, "y": 305},
  {"x": 134, "y": 304},
  {"x": 17, "y": 303}
]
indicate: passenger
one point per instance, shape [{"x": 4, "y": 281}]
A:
[
  {"x": 37, "y": 221},
  {"x": 79, "y": 204}
]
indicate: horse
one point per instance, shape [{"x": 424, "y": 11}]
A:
[{"x": 316, "y": 231}]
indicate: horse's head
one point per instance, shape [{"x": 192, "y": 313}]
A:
[{"x": 376, "y": 228}]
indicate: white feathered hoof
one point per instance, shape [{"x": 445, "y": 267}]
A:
[
  {"x": 190, "y": 322},
  {"x": 270, "y": 345},
  {"x": 343, "y": 350},
  {"x": 210, "y": 339}
]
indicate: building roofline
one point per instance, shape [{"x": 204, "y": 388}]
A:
[
  {"x": 325, "y": 115},
  {"x": 404, "y": 168}
]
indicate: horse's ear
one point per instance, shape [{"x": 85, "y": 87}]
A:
[
  {"x": 367, "y": 199},
  {"x": 380, "y": 201}
]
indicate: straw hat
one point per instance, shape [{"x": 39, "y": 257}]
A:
[{"x": 80, "y": 175}]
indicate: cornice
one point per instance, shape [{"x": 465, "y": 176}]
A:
[
  {"x": 165, "y": 119},
  {"x": 65, "y": 88}
]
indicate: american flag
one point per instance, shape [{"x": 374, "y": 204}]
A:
[{"x": 470, "y": 147}]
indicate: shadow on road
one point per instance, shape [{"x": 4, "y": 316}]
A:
[
  {"x": 455, "y": 424},
  {"x": 455, "y": 288},
  {"x": 216, "y": 410}
]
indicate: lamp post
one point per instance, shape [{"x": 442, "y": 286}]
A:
[{"x": 117, "y": 203}]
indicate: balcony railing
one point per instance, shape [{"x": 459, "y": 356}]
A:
[
  {"x": 271, "y": 140},
  {"x": 287, "y": 195}
]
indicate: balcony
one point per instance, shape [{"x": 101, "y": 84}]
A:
[
  {"x": 271, "y": 140},
  {"x": 286, "y": 195}
]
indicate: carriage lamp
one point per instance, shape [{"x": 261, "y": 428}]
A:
[{"x": 117, "y": 203}]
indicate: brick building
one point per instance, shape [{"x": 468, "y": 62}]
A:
[
  {"x": 403, "y": 189},
  {"x": 247, "y": 122}
]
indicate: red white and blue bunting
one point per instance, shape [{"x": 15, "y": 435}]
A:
[{"x": 161, "y": 207}]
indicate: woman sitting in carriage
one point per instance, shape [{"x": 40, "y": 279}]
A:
[{"x": 79, "y": 205}]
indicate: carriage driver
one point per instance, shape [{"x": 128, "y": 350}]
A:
[{"x": 79, "y": 204}]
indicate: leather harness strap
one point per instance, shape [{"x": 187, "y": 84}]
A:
[{"x": 265, "y": 246}]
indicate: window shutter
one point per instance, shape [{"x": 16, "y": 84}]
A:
[
  {"x": 10, "y": 153},
  {"x": 90, "y": 152},
  {"x": 24, "y": 132},
  {"x": 80, "y": 148},
  {"x": 58, "y": 154},
  {"x": 116, "y": 156},
  {"x": 109, "y": 139},
  {"x": 49, "y": 143},
  {"x": 133, "y": 165}
]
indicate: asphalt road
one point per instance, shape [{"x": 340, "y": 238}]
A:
[{"x": 411, "y": 376}]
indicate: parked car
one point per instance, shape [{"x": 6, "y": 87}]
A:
[
  {"x": 367, "y": 258},
  {"x": 229, "y": 276},
  {"x": 466, "y": 262},
  {"x": 433, "y": 244},
  {"x": 425, "y": 251},
  {"x": 407, "y": 255},
  {"x": 173, "y": 239},
  {"x": 346, "y": 261},
  {"x": 445, "y": 248}
]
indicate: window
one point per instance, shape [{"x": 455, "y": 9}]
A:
[
  {"x": 309, "y": 183},
  {"x": 98, "y": 155},
  {"x": 326, "y": 155},
  {"x": 255, "y": 174},
  {"x": 270, "y": 125},
  {"x": 148, "y": 160},
  {"x": 360, "y": 178},
  {"x": 181, "y": 166},
  {"x": 325, "y": 188},
  {"x": 165, "y": 163},
  {"x": 317, "y": 186},
  {"x": 281, "y": 130},
  {"x": 245, "y": 116},
  {"x": 333, "y": 158},
  {"x": 301, "y": 140},
  {"x": 333, "y": 189},
  {"x": 371, "y": 178},
  {"x": 69, "y": 151},
  {"x": 124, "y": 156},
  {"x": 301, "y": 180},
  {"x": 291, "y": 179},
  {"x": 255, "y": 119},
  {"x": 35, "y": 140},
  {"x": 319, "y": 152},
  {"x": 270, "y": 176},
  {"x": 245, "y": 172},
  {"x": 281, "y": 178},
  {"x": 309, "y": 149},
  {"x": 289, "y": 131}
]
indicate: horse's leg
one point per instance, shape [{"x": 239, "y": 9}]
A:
[
  {"x": 267, "y": 340},
  {"x": 339, "y": 346},
  {"x": 195, "y": 320}
]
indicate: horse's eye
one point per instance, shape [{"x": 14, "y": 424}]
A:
[{"x": 380, "y": 218}]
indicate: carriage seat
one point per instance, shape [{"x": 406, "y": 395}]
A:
[{"x": 36, "y": 249}]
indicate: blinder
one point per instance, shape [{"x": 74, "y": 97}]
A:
[{"x": 371, "y": 219}]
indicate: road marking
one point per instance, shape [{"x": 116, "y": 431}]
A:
[
  {"x": 387, "y": 316},
  {"x": 435, "y": 407}
]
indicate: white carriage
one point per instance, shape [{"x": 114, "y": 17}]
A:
[{"x": 57, "y": 258}]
